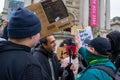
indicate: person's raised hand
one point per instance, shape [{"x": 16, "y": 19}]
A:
[{"x": 77, "y": 42}]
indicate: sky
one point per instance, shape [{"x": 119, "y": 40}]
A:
[
  {"x": 1, "y": 5},
  {"x": 115, "y": 8},
  {"x": 114, "y": 5}
]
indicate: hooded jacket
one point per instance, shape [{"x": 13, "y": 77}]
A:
[
  {"x": 114, "y": 38},
  {"x": 47, "y": 59},
  {"x": 16, "y": 63},
  {"x": 94, "y": 60}
]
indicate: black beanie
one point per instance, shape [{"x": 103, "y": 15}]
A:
[{"x": 23, "y": 23}]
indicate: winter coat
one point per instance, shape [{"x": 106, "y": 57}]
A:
[
  {"x": 16, "y": 63},
  {"x": 93, "y": 73},
  {"x": 49, "y": 63},
  {"x": 114, "y": 38}
]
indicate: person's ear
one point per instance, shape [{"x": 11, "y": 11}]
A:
[
  {"x": 36, "y": 37},
  {"x": 92, "y": 49},
  {"x": 44, "y": 45}
]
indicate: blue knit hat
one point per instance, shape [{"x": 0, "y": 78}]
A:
[{"x": 23, "y": 23}]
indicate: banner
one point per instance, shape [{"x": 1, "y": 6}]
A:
[{"x": 94, "y": 13}]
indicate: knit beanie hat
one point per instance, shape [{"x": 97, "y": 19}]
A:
[{"x": 23, "y": 23}]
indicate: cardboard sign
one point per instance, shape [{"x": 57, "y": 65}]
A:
[
  {"x": 61, "y": 53},
  {"x": 85, "y": 33},
  {"x": 74, "y": 29},
  {"x": 53, "y": 16}
]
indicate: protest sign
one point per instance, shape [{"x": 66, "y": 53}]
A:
[
  {"x": 85, "y": 34},
  {"x": 61, "y": 53},
  {"x": 12, "y": 7},
  {"x": 53, "y": 16},
  {"x": 74, "y": 29}
]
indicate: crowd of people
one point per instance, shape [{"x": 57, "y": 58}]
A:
[{"x": 22, "y": 33}]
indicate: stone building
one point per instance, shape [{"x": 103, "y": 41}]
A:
[
  {"x": 79, "y": 11},
  {"x": 115, "y": 24}
]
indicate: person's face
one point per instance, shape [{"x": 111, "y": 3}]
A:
[
  {"x": 51, "y": 43},
  {"x": 5, "y": 23}
]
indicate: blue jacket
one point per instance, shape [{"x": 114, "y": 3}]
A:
[{"x": 92, "y": 73}]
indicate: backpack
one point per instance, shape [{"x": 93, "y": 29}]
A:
[{"x": 114, "y": 75}]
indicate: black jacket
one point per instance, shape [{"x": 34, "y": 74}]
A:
[
  {"x": 16, "y": 63},
  {"x": 43, "y": 56},
  {"x": 115, "y": 43}
]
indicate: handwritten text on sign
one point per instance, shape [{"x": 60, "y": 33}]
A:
[{"x": 83, "y": 34}]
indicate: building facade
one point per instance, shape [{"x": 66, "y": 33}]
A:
[
  {"x": 115, "y": 24},
  {"x": 80, "y": 13},
  {"x": 79, "y": 10}
]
